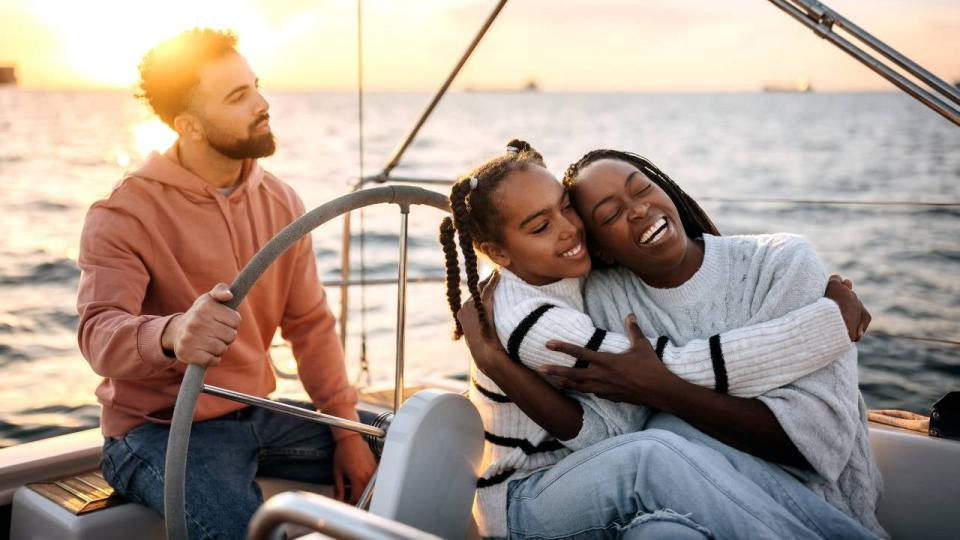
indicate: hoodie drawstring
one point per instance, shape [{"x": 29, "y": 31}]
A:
[{"x": 225, "y": 212}]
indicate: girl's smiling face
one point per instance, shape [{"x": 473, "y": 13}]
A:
[
  {"x": 633, "y": 222},
  {"x": 542, "y": 237}
]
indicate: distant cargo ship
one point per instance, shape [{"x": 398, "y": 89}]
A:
[
  {"x": 800, "y": 85},
  {"x": 530, "y": 86},
  {"x": 8, "y": 75}
]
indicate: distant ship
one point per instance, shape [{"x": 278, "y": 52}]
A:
[
  {"x": 800, "y": 85},
  {"x": 530, "y": 86},
  {"x": 8, "y": 75}
]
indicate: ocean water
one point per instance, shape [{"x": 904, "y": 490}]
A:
[{"x": 60, "y": 151}]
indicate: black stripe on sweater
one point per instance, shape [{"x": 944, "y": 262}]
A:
[
  {"x": 520, "y": 332},
  {"x": 595, "y": 341},
  {"x": 495, "y": 479},
  {"x": 489, "y": 394},
  {"x": 661, "y": 345},
  {"x": 719, "y": 365},
  {"x": 523, "y": 444}
]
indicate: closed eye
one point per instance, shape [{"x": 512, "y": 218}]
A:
[
  {"x": 540, "y": 228},
  {"x": 645, "y": 189},
  {"x": 609, "y": 219}
]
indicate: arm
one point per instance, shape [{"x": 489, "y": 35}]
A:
[
  {"x": 758, "y": 358},
  {"x": 753, "y": 359},
  {"x": 759, "y": 426},
  {"x": 117, "y": 341},
  {"x": 120, "y": 344},
  {"x": 632, "y": 376},
  {"x": 556, "y": 413}
]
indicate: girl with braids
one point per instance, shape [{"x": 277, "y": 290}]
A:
[{"x": 518, "y": 215}]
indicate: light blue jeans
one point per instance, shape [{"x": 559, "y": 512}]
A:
[
  {"x": 669, "y": 481},
  {"x": 226, "y": 454}
]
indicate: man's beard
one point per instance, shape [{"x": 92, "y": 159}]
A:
[{"x": 254, "y": 146}]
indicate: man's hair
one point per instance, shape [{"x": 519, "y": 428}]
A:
[{"x": 170, "y": 72}]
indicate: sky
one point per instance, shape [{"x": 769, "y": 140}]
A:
[{"x": 602, "y": 45}]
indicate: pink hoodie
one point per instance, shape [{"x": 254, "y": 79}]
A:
[{"x": 163, "y": 238}]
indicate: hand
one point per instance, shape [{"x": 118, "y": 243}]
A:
[
  {"x": 201, "y": 335},
  {"x": 485, "y": 347},
  {"x": 353, "y": 463},
  {"x": 855, "y": 316},
  {"x": 633, "y": 376}
]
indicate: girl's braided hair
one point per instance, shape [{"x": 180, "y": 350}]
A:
[{"x": 476, "y": 219}]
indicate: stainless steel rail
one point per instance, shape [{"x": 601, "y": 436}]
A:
[
  {"x": 293, "y": 410},
  {"x": 821, "y": 19},
  {"x": 384, "y": 281},
  {"x": 331, "y": 518},
  {"x": 401, "y": 307}
]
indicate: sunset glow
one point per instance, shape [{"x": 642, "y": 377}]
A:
[{"x": 615, "y": 45}]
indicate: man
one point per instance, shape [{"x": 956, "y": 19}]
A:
[{"x": 155, "y": 257}]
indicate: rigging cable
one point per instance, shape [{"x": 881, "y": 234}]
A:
[
  {"x": 843, "y": 202},
  {"x": 937, "y": 341},
  {"x": 364, "y": 372}
]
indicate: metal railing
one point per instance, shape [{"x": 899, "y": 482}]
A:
[
  {"x": 939, "y": 95},
  {"x": 330, "y": 518}
]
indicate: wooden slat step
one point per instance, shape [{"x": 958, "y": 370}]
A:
[{"x": 80, "y": 494}]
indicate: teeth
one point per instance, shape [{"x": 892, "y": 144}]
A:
[
  {"x": 646, "y": 236},
  {"x": 573, "y": 252}
]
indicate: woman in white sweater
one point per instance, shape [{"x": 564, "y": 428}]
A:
[{"x": 515, "y": 212}]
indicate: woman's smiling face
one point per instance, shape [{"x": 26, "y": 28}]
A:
[{"x": 630, "y": 219}]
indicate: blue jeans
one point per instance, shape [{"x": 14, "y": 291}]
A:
[
  {"x": 225, "y": 456},
  {"x": 658, "y": 484}
]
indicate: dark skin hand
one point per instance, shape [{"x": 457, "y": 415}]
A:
[
  {"x": 552, "y": 410},
  {"x": 638, "y": 376},
  {"x": 855, "y": 316}
]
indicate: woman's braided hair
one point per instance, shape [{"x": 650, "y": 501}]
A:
[
  {"x": 695, "y": 221},
  {"x": 476, "y": 219}
]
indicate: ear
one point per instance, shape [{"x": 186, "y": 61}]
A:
[
  {"x": 188, "y": 126},
  {"x": 495, "y": 253}
]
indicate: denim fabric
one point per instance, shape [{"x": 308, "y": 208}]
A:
[
  {"x": 809, "y": 507},
  {"x": 225, "y": 455},
  {"x": 656, "y": 483}
]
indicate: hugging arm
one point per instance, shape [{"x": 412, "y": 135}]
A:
[
  {"x": 767, "y": 426},
  {"x": 555, "y": 412},
  {"x": 744, "y": 423},
  {"x": 744, "y": 362},
  {"x": 758, "y": 358}
]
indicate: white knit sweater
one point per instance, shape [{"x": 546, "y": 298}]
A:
[
  {"x": 746, "y": 280},
  {"x": 756, "y": 359}
]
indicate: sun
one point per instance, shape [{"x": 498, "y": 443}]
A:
[{"x": 102, "y": 41}]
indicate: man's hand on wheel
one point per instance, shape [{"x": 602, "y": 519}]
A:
[{"x": 202, "y": 334}]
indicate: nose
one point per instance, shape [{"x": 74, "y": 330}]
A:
[
  {"x": 262, "y": 104},
  {"x": 567, "y": 228},
  {"x": 638, "y": 210}
]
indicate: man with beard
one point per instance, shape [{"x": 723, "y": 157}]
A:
[{"x": 155, "y": 258}]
